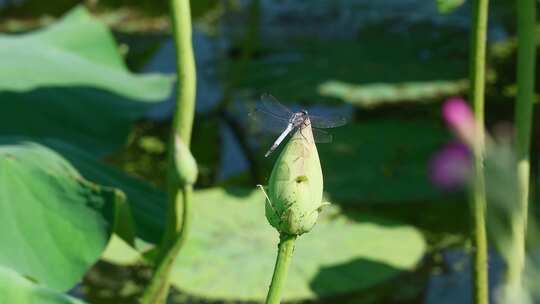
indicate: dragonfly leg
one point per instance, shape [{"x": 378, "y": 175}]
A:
[{"x": 301, "y": 133}]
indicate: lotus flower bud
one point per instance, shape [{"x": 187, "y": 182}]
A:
[{"x": 296, "y": 186}]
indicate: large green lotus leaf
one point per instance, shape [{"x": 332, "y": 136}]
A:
[
  {"x": 16, "y": 289},
  {"x": 69, "y": 82},
  {"x": 92, "y": 119},
  {"x": 56, "y": 223},
  {"x": 147, "y": 203},
  {"x": 76, "y": 51},
  {"x": 231, "y": 250},
  {"x": 385, "y": 52},
  {"x": 381, "y": 161}
]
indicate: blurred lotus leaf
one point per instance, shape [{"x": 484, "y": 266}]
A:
[
  {"x": 341, "y": 254},
  {"x": 448, "y": 6},
  {"x": 384, "y": 52},
  {"x": 374, "y": 94},
  {"x": 121, "y": 253}
]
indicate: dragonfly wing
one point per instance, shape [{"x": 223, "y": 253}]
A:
[
  {"x": 262, "y": 120},
  {"x": 272, "y": 105},
  {"x": 321, "y": 136},
  {"x": 327, "y": 122}
]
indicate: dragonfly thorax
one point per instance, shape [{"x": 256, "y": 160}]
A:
[{"x": 298, "y": 118}]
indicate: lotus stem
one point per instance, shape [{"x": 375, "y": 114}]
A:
[
  {"x": 478, "y": 200},
  {"x": 184, "y": 112},
  {"x": 526, "y": 55},
  {"x": 283, "y": 260},
  {"x": 158, "y": 289},
  {"x": 179, "y": 191}
]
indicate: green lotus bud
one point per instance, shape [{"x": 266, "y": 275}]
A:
[
  {"x": 184, "y": 162},
  {"x": 295, "y": 188}
]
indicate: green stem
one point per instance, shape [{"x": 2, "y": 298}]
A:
[
  {"x": 179, "y": 201},
  {"x": 526, "y": 10},
  {"x": 185, "y": 69},
  {"x": 285, "y": 252},
  {"x": 158, "y": 289},
  {"x": 477, "y": 76},
  {"x": 184, "y": 112}
]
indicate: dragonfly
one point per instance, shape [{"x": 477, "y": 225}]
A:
[{"x": 271, "y": 115}]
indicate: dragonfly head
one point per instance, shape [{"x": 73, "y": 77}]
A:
[
  {"x": 299, "y": 118},
  {"x": 304, "y": 115}
]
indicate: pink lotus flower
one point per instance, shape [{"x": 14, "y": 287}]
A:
[
  {"x": 459, "y": 118},
  {"x": 450, "y": 168}
]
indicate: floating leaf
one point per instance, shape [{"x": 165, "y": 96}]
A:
[
  {"x": 92, "y": 99},
  {"x": 371, "y": 95},
  {"x": 16, "y": 289},
  {"x": 56, "y": 219},
  {"x": 231, "y": 251},
  {"x": 448, "y": 6},
  {"x": 381, "y": 161},
  {"x": 121, "y": 253}
]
